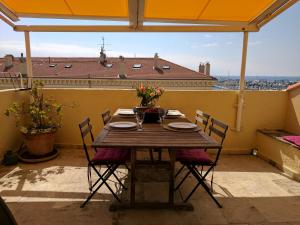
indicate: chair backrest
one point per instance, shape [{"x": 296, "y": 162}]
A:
[
  {"x": 106, "y": 117},
  {"x": 202, "y": 118},
  {"x": 85, "y": 128},
  {"x": 218, "y": 128}
]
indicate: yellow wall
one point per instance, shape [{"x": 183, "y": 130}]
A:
[
  {"x": 263, "y": 109},
  {"x": 10, "y": 137},
  {"x": 292, "y": 123}
]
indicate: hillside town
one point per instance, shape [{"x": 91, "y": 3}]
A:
[{"x": 257, "y": 84}]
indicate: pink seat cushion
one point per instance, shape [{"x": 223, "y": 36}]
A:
[
  {"x": 293, "y": 139},
  {"x": 111, "y": 155},
  {"x": 193, "y": 156}
]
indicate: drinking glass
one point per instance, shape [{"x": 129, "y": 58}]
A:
[
  {"x": 139, "y": 115},
  {"x": 162, "y": 115}
]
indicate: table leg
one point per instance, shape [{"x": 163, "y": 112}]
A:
[
  {"x": 132, "y": 183},
  {"x": 171, "y": 180}
]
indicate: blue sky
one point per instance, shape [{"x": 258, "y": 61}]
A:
[{"x": 275, "y": 50}]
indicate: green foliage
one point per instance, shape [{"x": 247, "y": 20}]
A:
[{"x": 40, "y": 115}]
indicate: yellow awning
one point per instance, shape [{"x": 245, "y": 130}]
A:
[
  {"x": 67, "y": 8},
  {"x": 242, "y": 14},
  {"x": 214, "y": 10}
]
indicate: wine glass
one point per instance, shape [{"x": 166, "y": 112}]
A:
[
  {"x": 162, "y": 115},
  {"x": 139, "y": 115}
]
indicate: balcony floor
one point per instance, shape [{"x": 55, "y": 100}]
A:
[{"x": 250, "y": 190}]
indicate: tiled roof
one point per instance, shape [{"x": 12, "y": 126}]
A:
[{"x": 90, "y": 67}]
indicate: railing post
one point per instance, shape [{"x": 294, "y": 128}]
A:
[
  {"x": 242, "y": 83},
  {"x": 28, "y": 58}
]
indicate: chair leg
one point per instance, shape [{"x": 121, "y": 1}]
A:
[
  {"x": 181, "y": 182},
  {"x": 179, "y": 171},
  {"x": 107, "y": 175},
  {"x": 110, "y": 170},
  {"x": 120, "y": 182},
  {"x": 159, "y": 154},
  {"x": 151, "y": 155},
  {"x": 105, "y": 172},
  {"x": 212, "y": 181},
  {"x": 202, "y": 183}
]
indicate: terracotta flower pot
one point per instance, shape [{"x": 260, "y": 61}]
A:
[{"x": 40, "y": 143}]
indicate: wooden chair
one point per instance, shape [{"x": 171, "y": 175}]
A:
[
  {"x": 193, "y": 158},
  {"x": 202, "y": 118},
  {"x": 106, "y": 117},
  {"x": 112, "y": 158}
]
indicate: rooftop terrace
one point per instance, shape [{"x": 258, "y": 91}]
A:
[{"x": 254, "y": 190}]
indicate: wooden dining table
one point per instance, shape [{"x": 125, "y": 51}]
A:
[{"x": 153, "y": 135}]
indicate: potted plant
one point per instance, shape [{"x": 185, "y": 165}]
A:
[
  {"x": 38, "y": 120},
  {"x": 149, "y": 96}
]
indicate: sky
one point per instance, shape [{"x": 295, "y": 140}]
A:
[{"x": 274, "y": 51}]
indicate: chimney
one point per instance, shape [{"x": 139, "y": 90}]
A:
[
  {"x": 22, "y": 59},
  {"x": 122, "y": 73},
  {"x": 8, "y": 61},
  {"x": 201, "y": 67},
  {"x": 155, "y": 66},
  {"x": 207, "y": 69}
]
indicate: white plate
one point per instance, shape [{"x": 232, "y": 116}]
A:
[
  {"x": 122, "y": 125},
  {"x": 125, "y": 112},
  {"x": 182, "y": 125},
  {"x": 174, "y": 113}
]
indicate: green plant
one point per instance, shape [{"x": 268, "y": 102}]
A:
[
  {"x": 39, "y": 115},
  {"x": 148, "y": 94}
]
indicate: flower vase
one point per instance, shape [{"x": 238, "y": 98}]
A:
[{"x": 151, "y": 113}]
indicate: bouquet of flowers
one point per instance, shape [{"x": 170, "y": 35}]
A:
[{"x": 149, "y": 95}]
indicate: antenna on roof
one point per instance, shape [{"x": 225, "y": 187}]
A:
[
  {"x": 103, "y": 59},
  {"x": 103, "y": 45}
]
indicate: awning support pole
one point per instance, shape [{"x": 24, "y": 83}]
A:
[
  {"x": 242, "y": 84},
  {"x": 28, "y": 58}
]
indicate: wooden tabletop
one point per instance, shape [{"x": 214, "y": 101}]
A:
[{"x": 153, "y": 135}]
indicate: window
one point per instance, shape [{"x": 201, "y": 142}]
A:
[
  {"x": 166, "y": 67},
  {"x": 137, "y": 66},
  {"x": 68, "y": 66}
]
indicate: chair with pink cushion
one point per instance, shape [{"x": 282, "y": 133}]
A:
[
  {"x": 112, "y": 158},
  {"x": 201, "y": 119},
  {"x": 194, "y": 158}
]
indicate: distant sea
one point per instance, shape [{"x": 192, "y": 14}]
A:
[{"x": 262, "y": 78}]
